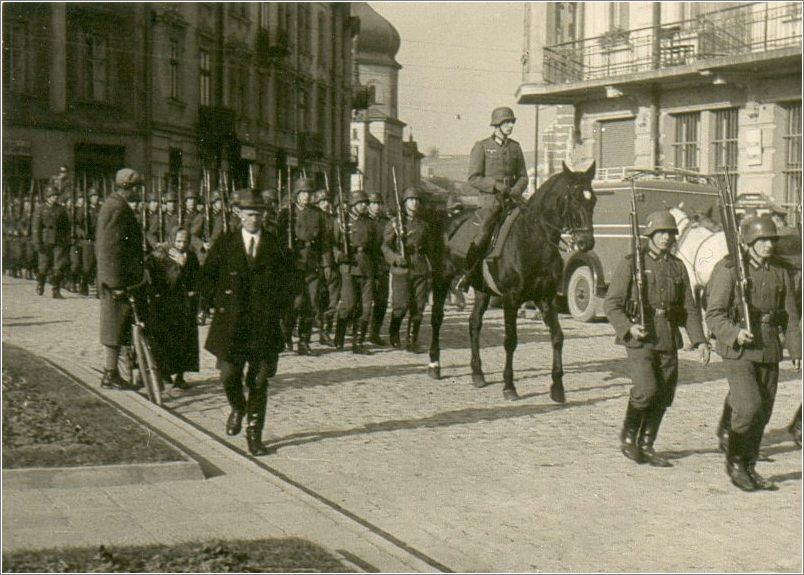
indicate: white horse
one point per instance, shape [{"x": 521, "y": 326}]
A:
[{"x": 701, "y": 244}]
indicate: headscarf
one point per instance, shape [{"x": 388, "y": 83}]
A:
[{"x": 174, "y": 254}]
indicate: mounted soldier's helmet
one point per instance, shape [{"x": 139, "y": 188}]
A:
[
  {"x": 303, "y": 185},
  {"x": 375, "y": 198},
  {"x": 660, "y": 220},
  {"x": 357, "y": 197},
  {"x": 411, "y": 192},
  {"x": 502, "y": 114},
  {"x": 758, "y": 227}
]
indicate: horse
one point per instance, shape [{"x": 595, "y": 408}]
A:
[{"x": 529, "y": 267}]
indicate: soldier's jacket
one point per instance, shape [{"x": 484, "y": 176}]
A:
[
  {"x": 772, "y": 306},
  {"x": 362, "y": 245},
  {"x": 669, "y": 303},
  {"x": 51, "y": 226},
  {"x": 490, "y": 163},
  {"x": 92, "y": 212},
  {"x": 380, "y": 222},
  {"x": 77, "y": 224},
  {"x": 171, "y": 221},
  {"x": 194, "y": 222},
  {"x": 312, "y": 239},
  {"x": 419, "y": 240},
  {"x": 217, "y": 225}
]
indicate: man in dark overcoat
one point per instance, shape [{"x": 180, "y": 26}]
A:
[
  {"x": 248, "y": 278},
  {"x": 118, "y": 250}
]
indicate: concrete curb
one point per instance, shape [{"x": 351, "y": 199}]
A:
[{"x": 100, "y": 475}]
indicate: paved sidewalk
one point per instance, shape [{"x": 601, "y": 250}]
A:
[{"x": 417, "y": 469}]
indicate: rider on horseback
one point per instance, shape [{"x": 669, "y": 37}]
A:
[{"x": 497, "y": 170}]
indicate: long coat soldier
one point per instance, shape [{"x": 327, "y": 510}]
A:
[
  {"x": 752, "y": 357},
  {"x": 51, "y": 239},
  {"x": 120, "y": 267},
  {"x": 381, "y": 269},
  {"x": 652, "y": 348}
]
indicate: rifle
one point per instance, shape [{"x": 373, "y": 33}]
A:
[
  {"x": 731, "y": 230},
  {"x": 639, "y": 263},
  {"x": 86, "y": 208},
  {"x": 31, "y": 208},
  {"x": 290, "y": 213},
  {"x": 401, "y": 231},
  {"x": 224, "y": 208},
  {"x": 205, "y": 182},
  {"x": 251, "y": 181},
  {"x": 180, "y": 202},
  {"x": 160, "y": 216},
  {"x": 144, "y": 222},
  {"x": 341, "y": 212},
  {"x": 73, "y": 198}
]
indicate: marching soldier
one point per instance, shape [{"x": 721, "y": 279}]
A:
[
  {"x": 193, "y": 221},
  {"x": 381, "y": 279},
  {"x": 171, "y": 215},
  {"x": 410, "y": 267},
  {"x": 152, "y": 220},
  {"x": 357, "y": 271},
  {"x": 312, "y": 251},
  {"x": 271, "y": 221},
  {"x": 652, "y": 348},
  {"x": 78, "y": 236},
  {"x": 51, "y": 239},
  {"x": 498, "y": 171},
  {"x": 752, "y": 357},
  {"x": 331, "y": 294}
]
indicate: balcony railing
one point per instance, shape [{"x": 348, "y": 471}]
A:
[{"x": 745, "y": 29}]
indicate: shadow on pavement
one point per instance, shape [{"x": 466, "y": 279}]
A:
[{"x": 35, "y": 323}]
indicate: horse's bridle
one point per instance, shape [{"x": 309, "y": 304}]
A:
[{"x": 564, "y": 214}]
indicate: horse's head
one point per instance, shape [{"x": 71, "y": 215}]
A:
[
  {"x": 689, "y": 216},
  {"x": 566, "y": 202}
]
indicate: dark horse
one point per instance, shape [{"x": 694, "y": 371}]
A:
[{"x": 530, "y": 269}]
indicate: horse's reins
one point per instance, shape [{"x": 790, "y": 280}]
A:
[{"x": 563, "y": 202}]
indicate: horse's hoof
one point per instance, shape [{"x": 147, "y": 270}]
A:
[
  {"x": 510, "y": 394},
  {"x": 478, "y": 380},
  {"x": 557, "y": 393},
  {"x": 434, "y": 371}
]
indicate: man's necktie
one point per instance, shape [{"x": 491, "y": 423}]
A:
[{"x": 252, "y": 249}]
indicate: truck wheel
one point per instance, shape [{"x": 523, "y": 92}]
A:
[{"x": 581, "y": 299}]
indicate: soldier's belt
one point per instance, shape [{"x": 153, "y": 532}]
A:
[{"x": 772, "y": 318}]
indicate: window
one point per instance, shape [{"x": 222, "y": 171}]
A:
[
  {"x": 686, "y": 148},
  {"x": 96, "y": 69},
  {"x": 566, "y": 23},
  {"x": 265, "y": 8},
  {"x": 793, "y": 151},
  {"x": 618, "y": 15},
  {"x": 173, "y": 74},
  {"x": 724, "y": 144},
  {"x": 18, "y": 54},
  {"x": 205, "y": 74}
]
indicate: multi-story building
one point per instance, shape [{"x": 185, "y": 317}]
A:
[
  {"x": 704, "y": 86},
  {"x": 377, "y": 133},
  {"x": 171, "y": 88}
]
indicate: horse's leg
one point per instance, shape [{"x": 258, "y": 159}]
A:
[
  {"x": 511, "y": 311},
  {"x": 475, "y": 323},
  {"x": 440, "y": 291},
  {"x": 550, "y": 317}
]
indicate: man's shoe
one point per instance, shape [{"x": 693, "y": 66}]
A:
[
  {"x": 254, "y": 442},
  {"x": 112, "y": 380},
  {"x": 651, "y": 457},
  {"x": 740, "y": 476},
  {"x": 235, "y": 422},
  {"x": 759, "y": 481}
]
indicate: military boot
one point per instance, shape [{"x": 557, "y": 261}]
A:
[
  {"x": 724, "y": 426},
  {"x": 324, "y": 337},
  {"x": 736, "y": 462},
  {"x": 393, "y": 332},
  {"x": 255, "y": 419},
  {"x": 56, "y": 292},
  {"x": 359, "y": 342},
  {"x": 473, "y": 259},
  {"x": 628, "y": 436},
  {"x": 795, "y": 427},
  {"x": 254, "y": 440},
  {"x": 83, "y": 287},
  {"x": 40, "y": 285},
  {"x": 650, "y": 429},
  {"x": 375, "y": 337},
  {"x": 413, "y": 337},
  {"x": 754, "y": 440},
  {"x": 340, "y": 333}
]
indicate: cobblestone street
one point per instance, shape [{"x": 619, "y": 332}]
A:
[{"x": 478, "y": 483}]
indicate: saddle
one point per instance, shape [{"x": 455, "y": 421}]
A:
[{"x": 462, "y": 231}]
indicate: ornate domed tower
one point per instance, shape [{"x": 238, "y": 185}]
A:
[{"x": 377, "y": 45}]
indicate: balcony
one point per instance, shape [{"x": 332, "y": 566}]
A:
[{"x": 747, "y": 29}]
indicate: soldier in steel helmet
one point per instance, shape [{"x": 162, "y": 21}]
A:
[
  {"x": 752, "y": 357},
  {"x": 381, "y": 279},
  {"x": 330, "y": 294},
  {"x": 498, "y": 171},
  {"x": 652, "y": 348},
  {"x": 356, "y": 268},
  {"x": 312, "y": 249},
  {"x": 50, "y": 232},
  {"x": 409, "y": 255}
]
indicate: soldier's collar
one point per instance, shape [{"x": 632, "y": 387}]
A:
[
  {"x": 656, "y": 254},
  {"x": 499, "y": 140},
  {"x": 757, "y": 263}
]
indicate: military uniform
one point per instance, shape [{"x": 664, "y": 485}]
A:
[
  {"x": 330, "y": 294},
  {"x": 51, "y": 239},
  {"x": 653, "y": 360},
  {"x": 381, "y": 277},
  {"x": 753, "y": 368},
  {"x": 357, "y": 269},
  {"x": 410, "y": 275}
]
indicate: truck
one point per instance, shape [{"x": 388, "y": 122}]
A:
[{"x": 587, "y": 275}]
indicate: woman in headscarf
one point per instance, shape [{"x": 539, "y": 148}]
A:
[{"x": 173, "y": 269}]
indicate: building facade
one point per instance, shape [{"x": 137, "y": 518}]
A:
[
  {"x": 250, "y": 89},
  {"x": 377, "y": 134},
  {"x": 704, "y": 86}
]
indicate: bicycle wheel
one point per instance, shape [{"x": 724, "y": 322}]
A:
[
  {"x": 144, "y": 367},
  {"x": 154, "y": 373}
]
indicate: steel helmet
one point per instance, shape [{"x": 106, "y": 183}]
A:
[
  {"x": 376, "y": 198},
  {"x": 304, "y": 185},
  {"x": 502, "y": 114},
  {"x": 319, "y": 196},
  {"x": 357, "y": 197},
  {"x": 411, "y": 192},
  {"x": 758, "y": 227},
  {"x": 660, "y": 220}
]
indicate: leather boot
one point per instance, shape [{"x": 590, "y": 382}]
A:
[
  {"x": 83, "y": 288},
  {"x": 324, "y": 337},
  {"x": 795, "y": 427},
  {"x": 472, "y": 262},
  {"x": 358, "y": 342},
  {"x": 736, "y": 463},
  {"x": 724, "y": 426},
  {"x": 413, "y": 337},
  {"x": 254, "y": 441},
  {"x": 255, "y": 419},
  {"x": 40, "y": 285},
  {"x": 375, "y": 337},
  {"x": 305, "y": 331},
  {"x": 112, "y": 380},
  {"x": 393, "y": 332},
  {"x": 56, "y": 291},
  {"x": 235, "y": 422},
  {"x": 340, "y": 333},
  {"x": 650, "y": 429},
  {"x": 754, "y": 440},
  {"x": 628, "y": 436}
]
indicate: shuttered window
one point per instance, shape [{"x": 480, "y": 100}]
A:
[
  {"x": 686, "y": 143},
  {"x": 616, "y": 147},
  {"x": 793, "y": 151},
  {"x": 724, "y": 144}
]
